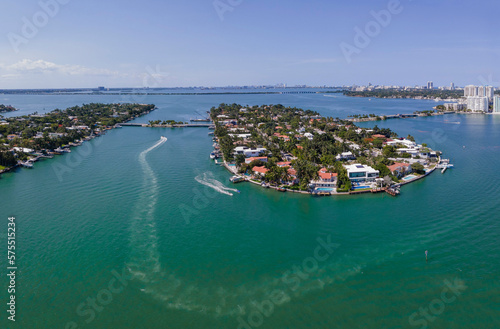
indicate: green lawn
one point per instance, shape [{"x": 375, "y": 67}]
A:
[{"x": 2, "y": 167}]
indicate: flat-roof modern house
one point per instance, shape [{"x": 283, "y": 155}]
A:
[
  {"x": 346, "y": 156},
  {"x": 361, "y": 173},
  {"x": 248, "y": 152},
  {"x": 254, "y": 152}
]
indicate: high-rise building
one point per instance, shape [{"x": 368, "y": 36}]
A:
[
  {"x": 452, "y": 86},
  {"x": 489, "y": 92},
  {"x": 481, "y": 91},
  {"x": 470, "y": 91},
  {"x": 430, "y": 85},
  {"x": 478, "y": 103},
  {"x": 496, "y": 104}
]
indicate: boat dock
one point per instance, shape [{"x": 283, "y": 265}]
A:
[{"x": 184, "y": 125}]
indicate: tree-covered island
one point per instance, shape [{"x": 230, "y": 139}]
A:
[
  {"x": 26, "y": 139},
  {"x": 7, "y": 108},
  {"x": 296, "y": 149},
  {"x": 434, "y": 94}
]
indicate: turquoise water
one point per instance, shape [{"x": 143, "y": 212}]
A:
[
  {"x": 204, "y": 256},
  {"x": 409, "y": 177}
]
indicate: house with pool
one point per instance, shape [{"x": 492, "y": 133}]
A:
[
  {"x": 359, "y": 173},
  {"x": 326, "y": 180},
  {"x": 400, "y": 169}
]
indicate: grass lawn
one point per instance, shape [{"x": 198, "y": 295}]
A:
[{"x": 2, "y": 167}]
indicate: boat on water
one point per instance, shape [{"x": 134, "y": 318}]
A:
[
  {"x": 62, "y": 150},
  {"x": 163, "y": 138},
  {"x": 212, "y": 155},
  {"x": 26, "y": 164},
  {"x": 393, "y": 190},
  {"x": 236, "y": 179},
  {"x": 281, "y": 189}
]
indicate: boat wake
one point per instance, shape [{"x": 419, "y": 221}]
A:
[
  {"x": 145, "y": 259},
  {"x": 209, "y": 180}
]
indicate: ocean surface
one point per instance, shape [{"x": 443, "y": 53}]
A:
[{"x": 134, "y": 231}]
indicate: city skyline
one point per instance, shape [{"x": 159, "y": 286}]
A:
[{"x": 69, "y": 44}]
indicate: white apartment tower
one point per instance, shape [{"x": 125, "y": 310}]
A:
[
  {"x": 471, "y": 91},
  {"x": 478, "y": 103},
  {"x": 496, "y": 104}
]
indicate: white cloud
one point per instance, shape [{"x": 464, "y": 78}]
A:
[{"x": 27, "y": 66}]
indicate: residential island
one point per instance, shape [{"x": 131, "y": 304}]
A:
[
  {"x": 7, "y": 108},
  {"x": 298, "y": 150},
  {"x": 26, "y": 139}
]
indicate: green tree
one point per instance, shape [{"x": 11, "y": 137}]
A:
[{"x": 418, "y": 168}]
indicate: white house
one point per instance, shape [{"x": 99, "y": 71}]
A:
[
  {"x": 240, "y": 150},
  {"x": 309, "y": 136},
  {"x": 23, "y": 149},
  {"x": 361, "y": 173},
  {"x": 254, "y": 152},
  {"x": 405, "y": 142},
  {"x": 244, "y": 136},
  {"x": 345, "y": 156}
]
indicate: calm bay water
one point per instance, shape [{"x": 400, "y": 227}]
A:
[{"x": 203, "y": 258}]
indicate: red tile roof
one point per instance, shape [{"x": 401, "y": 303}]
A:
[
  {"x": 283, "y": 164},
  {"x": 261, "y": 170},
  {"x": 255, "y": 158},
  {"x": 325, "y": 175},
  {"x": 398, "y": 166}
]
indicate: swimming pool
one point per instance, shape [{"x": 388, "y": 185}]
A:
[
  {"x": 360, "y": 187},
  {"x": 324, "y": 189},
  {"x": 410, "y": 177}
]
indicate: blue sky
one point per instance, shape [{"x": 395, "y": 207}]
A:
[{"x": 186, "y": 43}]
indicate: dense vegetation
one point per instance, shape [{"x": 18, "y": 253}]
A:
[
  {"x": 276, "y": 127},
  {"x": 7, "y": 108},
  {"x": 414, "y": 93},
  {"x": 60, "y": 127}
]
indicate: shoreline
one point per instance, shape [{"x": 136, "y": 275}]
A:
[
  {"x": 372, "y": 191},
  {"x": 348, "y": 185},
  {"x": 38, "y": 154}
]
